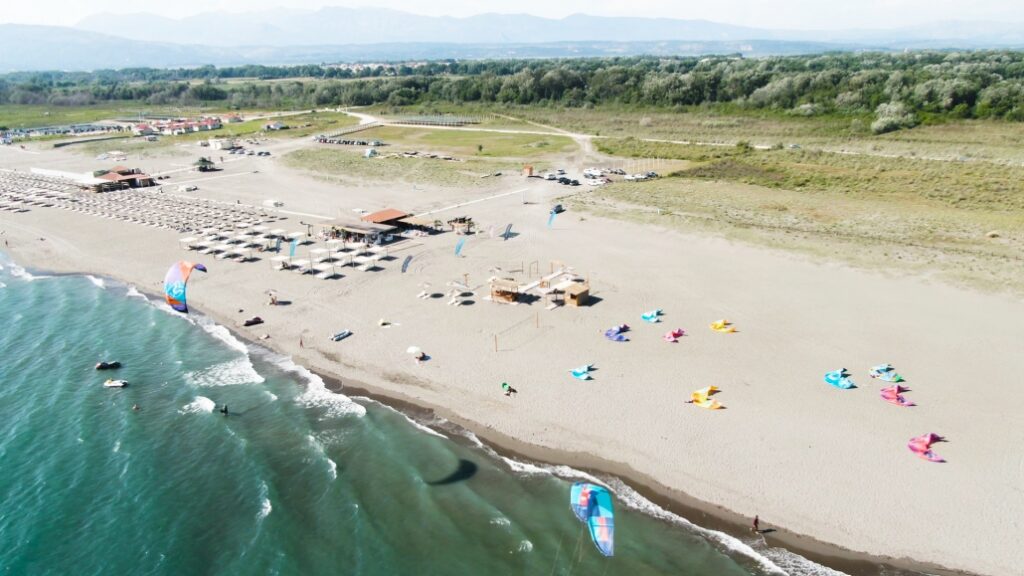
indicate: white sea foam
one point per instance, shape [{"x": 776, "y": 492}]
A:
[
  {"x": 332, "y": 467},
  {"x": 418, "y": 425},
  {"x": 133, "y": 292},
  {"x": 524, "y": 546},
  {"x": 221, "y": 333},
  {"x": 231, "y": 373},
  {"x": 317, "y": 395},
  {"x": 632, "y": 499},
  {"x": 265, "y": 507},
  {"x": 117, "y": 446},
  {"x": 501, "y": 521},
  {"x": 97, "y": 281},
  {"x": 2, "y": 285},
  {"x": 200, "y": 405},
  {"x": 270, "y": 395},
  {"x": 19, "y": 272},
  {"x": 797, "y": 565}
]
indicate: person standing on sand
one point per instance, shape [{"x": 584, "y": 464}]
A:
[
  {"x": 300, "y": 342},
  {"x": 756, "y": 526}
]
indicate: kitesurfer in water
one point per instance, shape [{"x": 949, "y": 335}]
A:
[{"x": 224, "y": 410}]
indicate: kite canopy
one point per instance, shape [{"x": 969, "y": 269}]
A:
[
  {"x": 581, "y": 373},
  {"x": 894, "y": 395},
  {"x": 723, "y": 326},
  {"x": 653, "y": 316},
  {"x": 175, "y": 282},
  {"x": 922, "y": 446},
  {"x": 702, "y": 398},
  {"x": 674, "y": 335},
  {"x": 592, "y": 504},
  {"x": 617, "y": 334},
  {"x": 840, "y": 379},
  {"x": 886, "y": 373}
]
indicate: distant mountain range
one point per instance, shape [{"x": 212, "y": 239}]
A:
[
  {"x": 338, "y": 25},
  {"x": 288, "y": 36}
]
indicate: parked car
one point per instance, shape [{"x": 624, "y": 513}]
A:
[
  {"x": 189, "y": 188},
  {"x": 560, "y": 171},
  {"x": 557, "y": 209},
  {"x": 550, "y": 176},
  {"x": 574, "y": 182}
]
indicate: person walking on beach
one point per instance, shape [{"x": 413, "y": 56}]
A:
[
  {"x": 756, "y": 526},
  {"x": 300, "y": 342}
]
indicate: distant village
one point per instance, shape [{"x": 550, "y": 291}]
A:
[{"x": 152, "y": 126}]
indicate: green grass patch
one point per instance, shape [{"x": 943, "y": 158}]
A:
[
  {"x": 470, "y": 144},
  {"x": 349, "y": 166}
]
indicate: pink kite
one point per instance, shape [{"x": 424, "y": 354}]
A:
[
  {"x": 674, "y": 335},
  {"x": 894, "y": 395},
  {"x": 922, "y": 446}
]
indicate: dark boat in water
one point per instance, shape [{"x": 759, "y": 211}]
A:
[{"x": 108, "y": 365}]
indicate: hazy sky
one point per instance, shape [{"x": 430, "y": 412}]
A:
[{"x": 790, "y": 14}]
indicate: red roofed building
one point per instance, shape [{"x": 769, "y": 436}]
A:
[{"x": 387, "y": 216}]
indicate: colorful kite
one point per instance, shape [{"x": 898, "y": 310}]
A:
[
  {"x": 175, "y": 282},
  {"x": 592, "y": 505}
]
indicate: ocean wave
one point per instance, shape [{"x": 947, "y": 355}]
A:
[
  {"x": 231, "y": 373},
  {"x": 270, "y": 395},
  {"x": 632, "y": 499},
  {"x": 416, "y": 424},
  {"x": 133, "y": 292},
  {"x": 20, "y": 272},
  {"x": 198, "y": 406},
  {"x": 265, "y": 506},
  {"x": 500, "y": 521},
  {"x": 97, "y": 281},
  {"x": 117, "y": 446},
  {"x": 796, "y": 565},
  {"x": 524, "y": 546},
  {"x": 221, "y": 333},
  {"x": 332, "y": 466},
  {"x": 316, "y": 394}
]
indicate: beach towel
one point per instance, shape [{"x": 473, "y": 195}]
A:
[
  {"x": 723, "y": 326},
  {"x": 702, "y": 398},
  {"x": 617, "y": 334},
  {"x": 886, "y": 373},
  {"x": 653, "y": 316},
  {"x": 674, "y": 335},
  {"x": 840, "y": 379},
  {"x": 922, "y": 446},
  {"x": 894, "y": 395}
]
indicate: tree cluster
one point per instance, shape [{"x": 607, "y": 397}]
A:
[{"x": 899, "y": 90}]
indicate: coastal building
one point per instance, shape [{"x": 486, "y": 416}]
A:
[
  {"x": 124, "y": 177},
  {"x": 388, "y": 217}
]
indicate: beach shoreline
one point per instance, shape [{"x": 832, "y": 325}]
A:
[
  {"x": 705, "y": 515},
  {"x": 828, "y": 463}
]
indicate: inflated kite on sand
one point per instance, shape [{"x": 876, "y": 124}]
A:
[
  {"x": 654, "y": 316},
  {"x": 617, "y": 334},
  {"x": 582, "y": 373},
  {"x": 702, "y": 398},
  {"x": 674, "y": 335},
  {"x": 885, "y": 372},
  {"x": 723, "y": 326},
  {"x": 894, "y": 395},
  {"x": 840, "y": 379},
  {"x": 922, "y": 446}
]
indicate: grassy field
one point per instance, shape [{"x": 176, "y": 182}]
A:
[
  {"x": 962, "y": 221},
  {"x": 464, "y": 144},
  {"x": 349, "y": 166}
]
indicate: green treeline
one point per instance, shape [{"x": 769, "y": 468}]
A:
[{"x": 900, "y": 90}]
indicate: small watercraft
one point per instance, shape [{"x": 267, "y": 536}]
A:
[
  {"x": 341, "y": 335},
  {"x": 108, "y": 365},
  {"x": 115, "y": 383}
]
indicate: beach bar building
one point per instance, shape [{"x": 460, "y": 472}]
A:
[
  {"x": 387, "y": 217},
  {"x": 369, "y": 232}
]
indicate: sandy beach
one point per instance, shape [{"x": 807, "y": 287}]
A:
[{"x": 821, "y": 464}]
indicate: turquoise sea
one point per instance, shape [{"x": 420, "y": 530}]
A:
[{"x": 296, "y": 480}]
